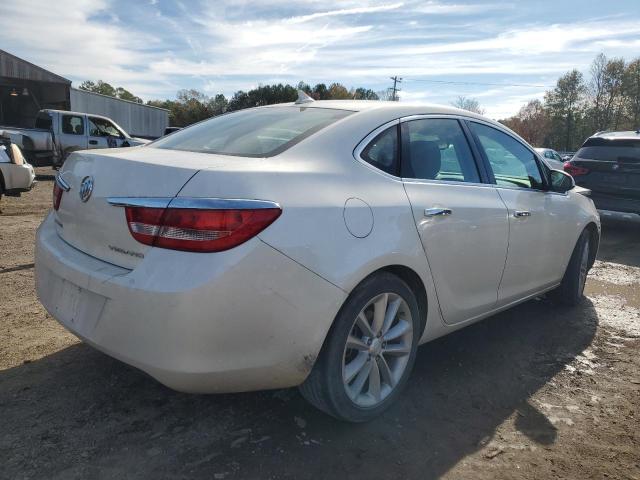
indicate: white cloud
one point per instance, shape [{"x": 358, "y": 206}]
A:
[
  {"x": 155, "y": 48},
  {"x": 344, "y": 11}
]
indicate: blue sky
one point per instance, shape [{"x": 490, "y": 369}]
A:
[{"x": 156, "y": 47}]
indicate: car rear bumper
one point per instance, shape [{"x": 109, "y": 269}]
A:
[
  {"x": 246, "y": 319},
  {"x": 615, "y": 204}
]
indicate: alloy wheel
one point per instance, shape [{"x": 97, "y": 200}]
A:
[{"x": 377, "y": 350}]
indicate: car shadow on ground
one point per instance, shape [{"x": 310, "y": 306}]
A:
[{"x": 78, "y": 413}]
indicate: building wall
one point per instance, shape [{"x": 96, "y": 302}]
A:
[{"x": 136, "y": 119}]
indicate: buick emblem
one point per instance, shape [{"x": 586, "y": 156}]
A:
[{"x": 86, "y": 188}]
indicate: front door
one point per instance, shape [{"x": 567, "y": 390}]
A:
[
  {"x": 104, "y": 134},
  {"x": 462, "y": 222},
  {"x": 540, "y": 228}
]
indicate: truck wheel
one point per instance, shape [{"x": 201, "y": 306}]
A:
[{"x": 369, "y": 352}]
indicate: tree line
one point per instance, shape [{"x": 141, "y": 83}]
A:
[
  {"x": 191, "y": 105},
  {"x": 576, "y": 108}
]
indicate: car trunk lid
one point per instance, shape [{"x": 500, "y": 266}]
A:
[{"x": 100, "y": 229}]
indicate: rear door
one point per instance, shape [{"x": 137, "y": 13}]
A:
[
  {"x": 541, "y": 223},
  {"x": 104, "y": 134},
  {"x": 462, "y": 221},
  {"x": 73, "y": 133}
]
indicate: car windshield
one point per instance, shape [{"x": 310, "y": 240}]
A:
[
  {"x": 616, "y": 150},
  {"x": 262, "y": 132}
]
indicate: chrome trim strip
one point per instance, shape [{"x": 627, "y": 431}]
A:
[
  {"x": 150, "y": 202},
  {"x": 221, "y": 203},
  {"x": 62, "y": 183},
  {"x": 193, "y": 203}
]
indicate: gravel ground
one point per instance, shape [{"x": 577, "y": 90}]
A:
[{"x": 535, "y": 392}]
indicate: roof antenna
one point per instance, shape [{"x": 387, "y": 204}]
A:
[{"x": 303, "y": 98}]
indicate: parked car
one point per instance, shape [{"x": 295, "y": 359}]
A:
[
  {"x": 608, "y": 164},
  {"x": 551, "y": 158},
  {"x": 313, "y": 244},
  {"x": 16, "y": 175},
  {"x": 57, "y": 133}
]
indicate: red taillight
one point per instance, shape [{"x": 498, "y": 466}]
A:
[
  {"x": 575, "y": 170},
  {"x": 57, "y": 195},
  {"x": 197, "y": 230}
]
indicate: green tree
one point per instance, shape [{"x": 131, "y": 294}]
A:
[
  {"x": 103, "y": 88},
  {"x": 365, "y": 94},
  {"x": 320, "y": 92},
  {"x": 337, "y": 91},
  {"x": 566, "y": 104}
]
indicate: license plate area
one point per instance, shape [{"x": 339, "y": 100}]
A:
[{"x": 75, "y": 307}]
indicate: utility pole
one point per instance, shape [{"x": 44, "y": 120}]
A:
[{"x": 395, "y": 89}]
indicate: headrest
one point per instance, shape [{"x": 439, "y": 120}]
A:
[{"x": 425, "y": 159}]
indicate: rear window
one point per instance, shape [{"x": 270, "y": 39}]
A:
[
  {"x": 43, "y": 120},
  {"x": 610, "y": 150},
  {"x": 260, "y": 132}
]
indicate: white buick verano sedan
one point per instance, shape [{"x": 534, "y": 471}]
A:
[{"x": 312, "y": 243}]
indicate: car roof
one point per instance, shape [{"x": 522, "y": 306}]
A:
[
  {"x": 68, "y": 112},
  {"x": 626, "y": 135},
  {"x": 401, "y": 109}
]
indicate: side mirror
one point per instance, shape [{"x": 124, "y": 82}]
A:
[{"x": 561, "y": 182}]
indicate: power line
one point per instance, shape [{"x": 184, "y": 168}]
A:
[{"x": 450, "y": 82}]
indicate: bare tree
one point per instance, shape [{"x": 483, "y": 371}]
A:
[
  {"x": 606, "y": 91},
  {"x": 632, "y": 94},
  {"x": 470, "y": 104}
]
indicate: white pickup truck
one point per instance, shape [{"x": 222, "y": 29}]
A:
[
  {"x": 16, "y": 175},
  {"x": 57, "y": 133}
]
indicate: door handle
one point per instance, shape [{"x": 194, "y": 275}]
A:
[
  {"x": 93, "y": 142},
  {"x": 437, "y": 212},
  {"x": 521, "y": 213}
]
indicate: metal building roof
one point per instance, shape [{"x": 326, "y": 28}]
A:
[{"x": 15, "y": 67}]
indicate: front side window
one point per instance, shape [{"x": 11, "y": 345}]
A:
[
  {"x": 382, "y": 151},
  {"x": 262, "y": 132},
  {"x": 512, "y": 163},
  {"x": 100, "y": 127},
  {"x": 437, "y": 149},
  {"x": 72, "y": 124}
]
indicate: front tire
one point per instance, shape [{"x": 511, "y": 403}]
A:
[
  {"x": 369, "y": 352},
  {"x": 571, "y": 290}
]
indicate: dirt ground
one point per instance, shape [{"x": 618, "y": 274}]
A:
[{"x": 532, "y": 393}]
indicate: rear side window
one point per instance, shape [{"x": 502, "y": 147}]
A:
[
  {"x": 513, "y": 164},
  {"x": 260, "y": 132},
  {"x": 610, "y": 150},
  {"x": 382, "y": 152},
  {"x": 72, "y": 124},
  {"x": 437, "y": 149}
]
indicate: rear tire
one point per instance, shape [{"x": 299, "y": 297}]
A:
[
  {"x": 571, "y": 289},
  {"x": 369, "y": 352}
]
